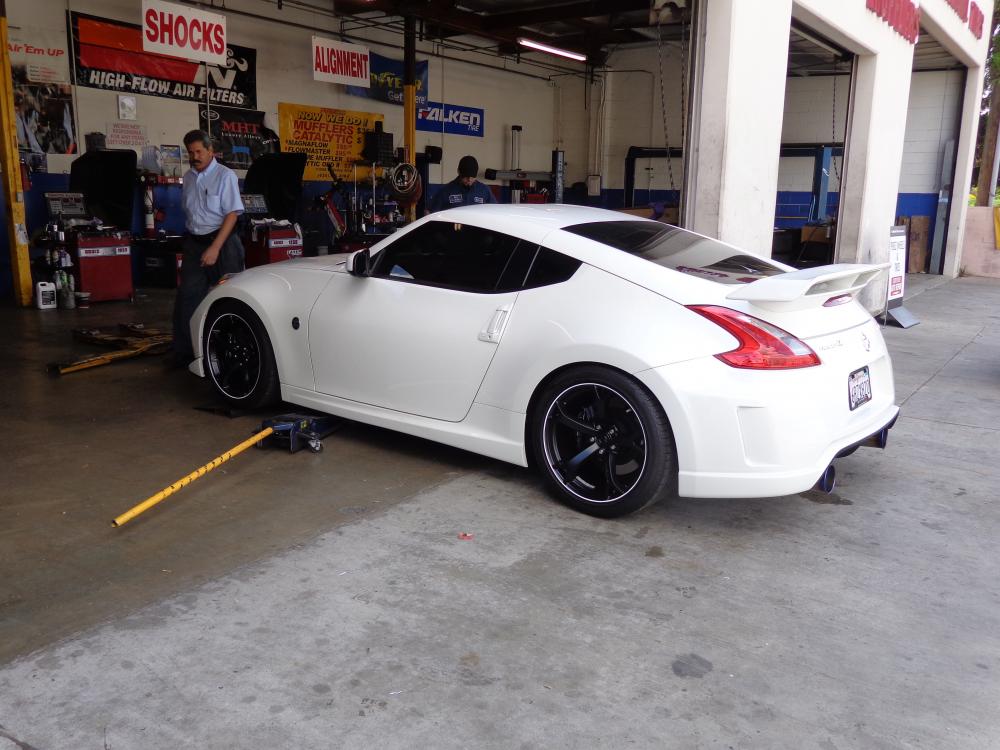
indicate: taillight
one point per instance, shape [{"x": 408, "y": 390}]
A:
[{"x": 762, "y": 345}]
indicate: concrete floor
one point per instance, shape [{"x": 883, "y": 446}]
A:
[{"x": 326, "y": 600}]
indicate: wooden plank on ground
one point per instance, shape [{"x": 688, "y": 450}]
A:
[{"x": 919, "y": 241}]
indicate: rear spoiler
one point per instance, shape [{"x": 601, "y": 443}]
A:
[{"x": 810, "y": 287}]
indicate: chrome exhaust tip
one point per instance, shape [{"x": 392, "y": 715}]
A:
[
  {"x": 827, "y": 480},
  {"x": 879, "y": 440}
]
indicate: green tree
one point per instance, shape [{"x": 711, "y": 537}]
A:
[{"x": 991, "y": 88}]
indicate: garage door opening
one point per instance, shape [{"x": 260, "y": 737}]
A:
[
  {"x": 654, "y": 136},
  {"x": 933, "y": 123},
  {"x": 810, "y": 169}
]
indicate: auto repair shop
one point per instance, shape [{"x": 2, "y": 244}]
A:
[{"x": 393, "y": 582}]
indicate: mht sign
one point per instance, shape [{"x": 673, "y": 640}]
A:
[
  {"x": 179, "y": 31},
  {"x": 451, "y": 118}
]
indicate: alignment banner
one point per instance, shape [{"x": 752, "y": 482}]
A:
[
  {"x": 339, "y": 62},
  {"x": 329, "y": 136},
  {"x": 183, "y": 31},
  {"x": 109, "y": 55}
]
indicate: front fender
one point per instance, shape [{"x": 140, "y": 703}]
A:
[{"x": 277, "y": 294}]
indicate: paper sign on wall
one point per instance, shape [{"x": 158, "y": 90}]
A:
[
  {"x": 183, "y": 31},
  {"x": 123, "y": 134},
  {"x": 339, "y": 62}
]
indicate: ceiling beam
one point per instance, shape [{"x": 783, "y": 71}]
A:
[{"x": 564, "y": 12}]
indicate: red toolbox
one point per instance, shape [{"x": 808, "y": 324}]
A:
[{"x": 271, "y": 244}]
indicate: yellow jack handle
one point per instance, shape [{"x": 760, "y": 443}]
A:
[{"x": 196, "y": 474}]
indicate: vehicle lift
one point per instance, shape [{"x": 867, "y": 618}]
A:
[{"x": 291, "y": 431}]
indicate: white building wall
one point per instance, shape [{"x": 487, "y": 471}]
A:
[
  {"x": 284, "y": 74},
  {"x": 932, "y": 119},
  {"x": 810, "y": 117},
  {"x": 644, "y": 108}
]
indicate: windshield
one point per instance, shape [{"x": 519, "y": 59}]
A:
[{"x": 679, "y": 250}]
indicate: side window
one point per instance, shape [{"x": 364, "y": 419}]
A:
[
  {"x": 458, "y": 256},
  {"x": 550, "y": 267}
]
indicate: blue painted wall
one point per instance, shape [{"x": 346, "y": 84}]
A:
[{"x": 791, "y": 206}]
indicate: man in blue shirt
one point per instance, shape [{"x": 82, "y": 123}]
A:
[
  {"x": 212, "y": 204},
  {"x": 464, "y": 190}
]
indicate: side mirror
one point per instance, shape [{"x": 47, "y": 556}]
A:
[{"x": 359, "y": 263}]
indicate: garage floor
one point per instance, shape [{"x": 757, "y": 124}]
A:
[{"x": 326, "y": 600}]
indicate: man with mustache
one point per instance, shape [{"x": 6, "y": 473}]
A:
[{"x": 212, "y": 204}]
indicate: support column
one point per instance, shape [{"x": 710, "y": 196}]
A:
[
  {"x": 10, "y": 163},
  {"x": 410, "y": 96},
  {"x": 738, "y": 112},
  {"x": 873, "y": 158},
  {"x": 965, "y": 152}
]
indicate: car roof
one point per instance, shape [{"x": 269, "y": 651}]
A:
[{"x": 529, "y": 221}]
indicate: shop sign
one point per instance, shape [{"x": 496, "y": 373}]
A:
[
  {"x": 240, "y": 135},
  {"x": 183, "y": 31},
  {"x": 386, "y": 82},
  {"x": 333, "y": 137},
  {"x": 43, "y": 99},
  {"x": 902, "y": 15},
  {"x": 339, "y": 62},
  {"x": 109, "y": 55},
  {"x": 970, "y": 13},
  {"x": 961, "y": 7},
  {"x": 976, "y": 19},
  {"x": 41, "y": 53},
  {"x": 451, "y": 118},
  {"x": 897, "y": 262}
]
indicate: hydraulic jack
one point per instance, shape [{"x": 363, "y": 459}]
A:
[{"x": 295, "y": 431}]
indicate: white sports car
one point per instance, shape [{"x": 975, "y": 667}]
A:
[{"x": 627, "y": 358}]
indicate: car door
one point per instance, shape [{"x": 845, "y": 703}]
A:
[{"x": 419, "y": 333}]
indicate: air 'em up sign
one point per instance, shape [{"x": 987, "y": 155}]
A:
[{"x": 180, "y": 31}]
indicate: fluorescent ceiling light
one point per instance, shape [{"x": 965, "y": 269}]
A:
[{"x": 551, "y": 50}]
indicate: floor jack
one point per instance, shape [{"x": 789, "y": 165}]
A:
[
  {"x": 132, "y": 340},
  {"x": 294, "y": 431}
]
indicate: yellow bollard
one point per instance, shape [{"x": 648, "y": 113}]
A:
[{"x": 197, "y": 473}]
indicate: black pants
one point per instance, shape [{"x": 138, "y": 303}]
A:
[{"x": 196, "y": 280}]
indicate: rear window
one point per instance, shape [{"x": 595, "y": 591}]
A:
[{"x": 679, "y": 250}]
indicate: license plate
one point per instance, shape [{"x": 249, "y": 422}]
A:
[{"x": 859, "y": 388}]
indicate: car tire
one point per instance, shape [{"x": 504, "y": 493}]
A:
[
  {"x": 603, "y": 442},
  {"x": 238, "y": 357}
]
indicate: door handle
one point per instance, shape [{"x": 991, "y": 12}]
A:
[{"x": 494, "y": 329}]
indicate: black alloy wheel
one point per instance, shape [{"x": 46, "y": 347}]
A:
[
  {"x": 238, "y": 356},
  {"x": 604, "y": 443}
]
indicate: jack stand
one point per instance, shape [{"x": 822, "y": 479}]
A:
[{"x": 299, "y": 431}]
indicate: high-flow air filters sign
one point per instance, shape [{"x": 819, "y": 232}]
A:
[
  {"x": 339, "y": 62},
  {"x": 182, "y": 31}
]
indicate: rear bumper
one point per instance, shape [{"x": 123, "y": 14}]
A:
[
  {"x": 777, "y": 483},
  {"x": 741, "y": 434},
  {"x": 197, "y": 366}
]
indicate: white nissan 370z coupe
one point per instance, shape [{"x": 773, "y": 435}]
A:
[{"x": 628, "y": 359}]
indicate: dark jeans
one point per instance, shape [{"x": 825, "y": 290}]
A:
[{"x": 196, "y": 282}]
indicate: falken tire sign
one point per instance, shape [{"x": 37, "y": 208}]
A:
[{"x": 451, "y": 118}]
